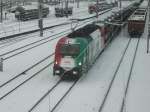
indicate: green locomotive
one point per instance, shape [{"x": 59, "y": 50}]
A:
[{"x": 75, "y": 53}]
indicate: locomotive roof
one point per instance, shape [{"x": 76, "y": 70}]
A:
[{"x": 84, "y": 32}]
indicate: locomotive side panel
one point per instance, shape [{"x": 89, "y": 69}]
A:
[{"x": 97, "y": 43}]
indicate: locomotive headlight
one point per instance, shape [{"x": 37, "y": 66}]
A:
[
  {"x": 75, "y": 72},
  {"x": 56, "y": 62},
  {"x": 109, "y": 20},
  {"x": 80, "y": 64},
  {"x": 57, "y": 71}
]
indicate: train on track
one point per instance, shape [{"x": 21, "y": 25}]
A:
[
  {"x": 76, "y": 52},
  {"x": 136, "y": 23}
]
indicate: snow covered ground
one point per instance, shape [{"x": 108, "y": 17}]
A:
[{"x": 88, "y": 94}]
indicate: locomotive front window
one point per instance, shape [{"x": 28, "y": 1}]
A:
[{"x": 70, "y": 50}]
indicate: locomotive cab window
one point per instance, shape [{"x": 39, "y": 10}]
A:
[{"x": 70, "y": 50}]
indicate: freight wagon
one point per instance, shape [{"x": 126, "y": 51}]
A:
[
  {"x": 61, "y": 12},
  {"x": 136, "y": 23},
  {"x": 28, "y": 12}
]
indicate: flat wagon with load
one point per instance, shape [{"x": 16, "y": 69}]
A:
[
  {"x": 28, "y": 12},
  {"x": 61, "y": 12}
]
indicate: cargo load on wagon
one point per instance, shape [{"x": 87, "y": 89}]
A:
[
  {"x": 28, "y": 12},
  {"x": 61, "y": 12}
]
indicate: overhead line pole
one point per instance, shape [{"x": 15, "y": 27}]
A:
[
  {"x": 40, "y": 21},
  {"x": 120, "y": 8},
  {"x": 1, "y": 11},
  {"x": 66, "y": 7},
  {"x": 78, "y": 3},
  {"x": 97, "y": 9}
]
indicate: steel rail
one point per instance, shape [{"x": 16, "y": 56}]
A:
[
  {"x": 50, "y": 90},
  {"x": 23, "y": 72},
  {"x": 114, "y": 76},
  {"x": 129, "y": 78},
  {"x": 66, "y": 93},
  {"x": 46, "y": 94},
  {"x": 35, "y": 74}
]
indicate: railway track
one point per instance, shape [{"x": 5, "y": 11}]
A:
[
  {"x": 31, "y": 77},
  {"x": 51, "y": 91},
  {"x": 26, "y": 70},
  {"x": 26, "y": 79},
  {"x": 115, "y": 74},
  {"x": 8, "y": 42},
  {"x": 129, "y": 78}
]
